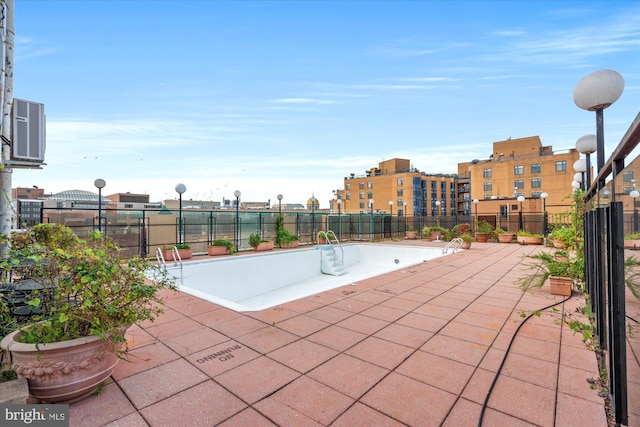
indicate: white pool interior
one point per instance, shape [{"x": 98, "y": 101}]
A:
[{"x": 263, "y": 280}]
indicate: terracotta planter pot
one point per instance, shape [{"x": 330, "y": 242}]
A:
[
  {"x": 62, "y": 372},
  {"x": 482, "y": 237},
  {"x": 631, "y": 244},
  {"x": 560, "y": 285},
  {"x": 528, "y": 240},
  {"x": 290, "y": 245},
  {"x": 264, "y": 246},
  {"x": 435, "y": 235},
  {"x": 506, "y": 237},
  {"x": 411, "y": 235},
  {"x": 520, "y": 239},
  {"x": 466, "y": 245},
  {"x": 558, "y": 244},
  {"x": 218, "y": 250},
  {"x": 184, "y": 254}
]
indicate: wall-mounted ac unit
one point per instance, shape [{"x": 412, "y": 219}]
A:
[{"x": 28, "y": 134}]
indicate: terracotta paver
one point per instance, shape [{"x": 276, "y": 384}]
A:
[{"x": 417, "y": 347}]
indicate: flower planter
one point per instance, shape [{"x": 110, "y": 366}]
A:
[
  {"x": 529, "y": 240},
  {"x": 290, "y": 245},
  {"x": 520, "y": 239},
  {"x": 560, "y": 285},
  {"x": 506, "y": 237},
  {"x": 62, "y": 372},
  {"x": 184, "y": 254},
  {"x": 411, "y": 235},
  {"x": 264, "y": 246},
  {"x": 466, "y": 245},
  {"x": 632, "y": 244},
  {"x": 435, "y": 235},
  {"x": 557, "y": 243},
  {"x": 218, "y": 250},
  {"x": 482, "y": 237}
]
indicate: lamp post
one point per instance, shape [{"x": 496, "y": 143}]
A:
[
  {"x": 475, "y": 203},
  {"x": 180, "y": 188},
  {"x": 545, "y": 219},
  {"x": 279, "y": 204},
  {"x": 391, "y": 206},
  {"x": 580, "y": 166},
  {"x": 634, "y": 194},
  {"x": 339, "y": 202},
  {"x": 587, "y": 145},
  {"x": 237, "y": 195},
  {"x": 595, "y": 92},
  {"x": 438, "y": 203},
  {"x": 371, "y": 227},
  {"x": 520, "y": 220},
  {"x": 100, "y": 184}
]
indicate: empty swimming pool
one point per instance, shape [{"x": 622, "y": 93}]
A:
[{"x": 260, "y": 281}]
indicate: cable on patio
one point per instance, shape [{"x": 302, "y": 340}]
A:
[{"x": 504, "y": 359}]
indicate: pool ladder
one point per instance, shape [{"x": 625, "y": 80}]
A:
[
  {"x": 177, "y": 260},
  {"x": 454, "y": 244},
  {"x": 331, "y": 262}
]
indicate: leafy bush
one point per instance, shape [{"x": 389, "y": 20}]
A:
[{"x": 226, "y": 243}]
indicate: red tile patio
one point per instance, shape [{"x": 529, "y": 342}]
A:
[{"x": 418, "y": 347}]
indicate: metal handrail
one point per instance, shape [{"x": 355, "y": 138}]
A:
[
  {"x": 455, "y": 241},
  {"x": 328, "y": 235}
]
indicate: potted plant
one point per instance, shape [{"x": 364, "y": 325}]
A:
[
  {"x": 284, "y": 238},
  {"x": 184, "y": 251},
  {"x": 531, "y": 238},
  {"x": 322, "y": 238},
  {"x": 467, "y": 239},
  {"x": 561, "y": 255},
  {"x": 483, "y": 230},
  {"x": 561, "y": 274},
  {"x": 632, "y": 241},
  {"x": 82, "y": 300},
  {"x": 411, "y": 234},
  {"x": 434, "y": 233},
  {"x": 259, "y": 244},
  {"x": 504, "y": 236},
  {"x": 221, "y": 247},
  {"x": 563, "y": 237}
]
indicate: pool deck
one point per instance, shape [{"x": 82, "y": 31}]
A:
[{"x": 419, "y": 346}]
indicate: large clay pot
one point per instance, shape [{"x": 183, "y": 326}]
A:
[
  {"x": 264, "y": 246},
  {"x": 631, "y": 244},
  {"x": 411, "y": 235},
  {"x": 482, "y": 237},
  {"x": 292, "y": 244},
  {"x": 184, "y": 254},
  {"x": 62, "y": 372},
  {"x": 506, "y": 237},
  {"x": 217, "y": 250},
  {"x": 530, "y": 240},
  {"x": 560, "y": 285}
]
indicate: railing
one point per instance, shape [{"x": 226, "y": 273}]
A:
[{"x": 604, "y": 229}]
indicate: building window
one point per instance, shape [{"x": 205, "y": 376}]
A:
[
  {"x": 486, "y": 173},
  {"x": 518, "y": 183},
  {"x": 536, "y": 183},
  {"x": 348, "y": 196},
  {"x": 400, "y": 212},
  {"x": 518, "y": 170},
  {"x": 370, "y": 195},
  {"x": 626, "y": 190},
  {"x": 504, "y": 211},
  {"x": 627, "y": 176},
  {"x": 488, "y": 186},
  {"x": 361, "y": 205},
  {"x": 536, "y": 168},
  {"x": 128, "y": 205},
  {"x": 361, "y": 185},
  {"x": 516, "y": 195},
  {"x": 561, "y": 166},
  {"x": 400, "y": 202},
  {"x": 361, "y": 195},
  {"x": 487, "y": 196},
  {"x": 535, "y": 194},
  {"x": 400, "y": 192},
  {"x": 348, "y": 187},
  {"x": 399, "y": 181},
  {"x": 370, "y": 184}
]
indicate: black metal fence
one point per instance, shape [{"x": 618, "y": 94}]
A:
[{"x": 605, "y": 225}]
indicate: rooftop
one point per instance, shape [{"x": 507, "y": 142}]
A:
[{"x": 418, "y": 346}]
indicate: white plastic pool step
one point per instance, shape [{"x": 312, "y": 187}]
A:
[{"x": 331, "y": 265}]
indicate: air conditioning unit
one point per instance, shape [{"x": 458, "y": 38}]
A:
[{"x": 28, "y": 134}]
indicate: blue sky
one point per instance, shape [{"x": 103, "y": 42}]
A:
[{"x": 270, "y": 97}]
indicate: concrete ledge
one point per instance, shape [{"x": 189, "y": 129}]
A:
[{"x": 14, "y": 392}]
